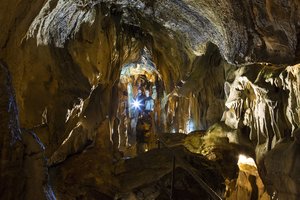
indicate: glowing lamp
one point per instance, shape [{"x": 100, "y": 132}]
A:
[{"x": 136, "y": 104}]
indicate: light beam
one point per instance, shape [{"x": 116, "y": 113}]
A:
[{"x": 136, "y": 104}]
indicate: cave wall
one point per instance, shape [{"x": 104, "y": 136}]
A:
[
  {"x": 263, "y": 98},
  {"x": 42, "y": 70},
  {"x": 58, "y": 90},
  {"x": 197, "y": 100},
  {"x": 12, "y": 149},
  {"x": 248, "y": 35},
  {"x": 65, "y": 56},
  {"x": 24, "y": 174}
]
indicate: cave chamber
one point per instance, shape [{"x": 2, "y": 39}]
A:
[{"x": 149, "y": 99}]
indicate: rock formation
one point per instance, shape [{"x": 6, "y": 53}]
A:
[
  {"x": 24, "y": 173},
  {"x": 265, "y": 102},
  {"x": 229, "y": 77}
]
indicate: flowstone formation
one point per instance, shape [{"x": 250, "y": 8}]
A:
[
  {"x": 60, "y": 68},
  {"x": 265, "y": 99}
]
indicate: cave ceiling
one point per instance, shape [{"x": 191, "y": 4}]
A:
[{"x": 243, "y": 31}]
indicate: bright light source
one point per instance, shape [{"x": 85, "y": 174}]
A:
[
  {"x": 136, "y": 104},
  {"x": 190, "y": 126},
  {"x": 247, "y": 164},
  {"x": 246, "y": 160}
]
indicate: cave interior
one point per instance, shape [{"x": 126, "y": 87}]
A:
[{"x": 150, "y": 99}]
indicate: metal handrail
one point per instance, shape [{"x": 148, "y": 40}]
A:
[{"x": 190, "y": 169}]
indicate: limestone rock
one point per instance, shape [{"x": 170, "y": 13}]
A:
[
  {"x": 65, "y": 59},
  {"x": 153, "y": 173},
  {"x": 196, "y": 22},
  {"x": 23, "y": 166},
  {"x": 257, "y": 100}
]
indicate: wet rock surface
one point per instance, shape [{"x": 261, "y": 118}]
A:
[
  {"x": 64, "y": 59},
  {"x": 257, "y": 101}
]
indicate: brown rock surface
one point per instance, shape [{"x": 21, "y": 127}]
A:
[
  {"x": 65, "y": 58},
  {"x": 23, "y": 166}
]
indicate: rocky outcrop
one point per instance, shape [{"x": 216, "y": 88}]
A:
[
  {"x": 12, "y": 150},
  {"x": 88, "y": 173},
  {"x": 199, "y": 93},
  {"x": 248, "y": 183},
  {"x": 257, "y": 99},
  {"x": 35, "y": 169},
  {"x": 152, "y": 172},
  {"x": 23, "y": 165},
  {"x": 242, "y": 31},
  {"x": 281, "y": 176}
]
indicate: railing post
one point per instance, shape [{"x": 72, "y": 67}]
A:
[
  {"x": 188, "y": 168},
  {"x": 173, "y": 178}
]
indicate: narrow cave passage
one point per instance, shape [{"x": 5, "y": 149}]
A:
[{"x": 140, "y": 91}]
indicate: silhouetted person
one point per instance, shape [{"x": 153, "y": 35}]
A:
[{"x": 149, "y": 103}]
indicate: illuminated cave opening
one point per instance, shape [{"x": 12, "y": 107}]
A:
[{"x": 140, "y": 92}]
